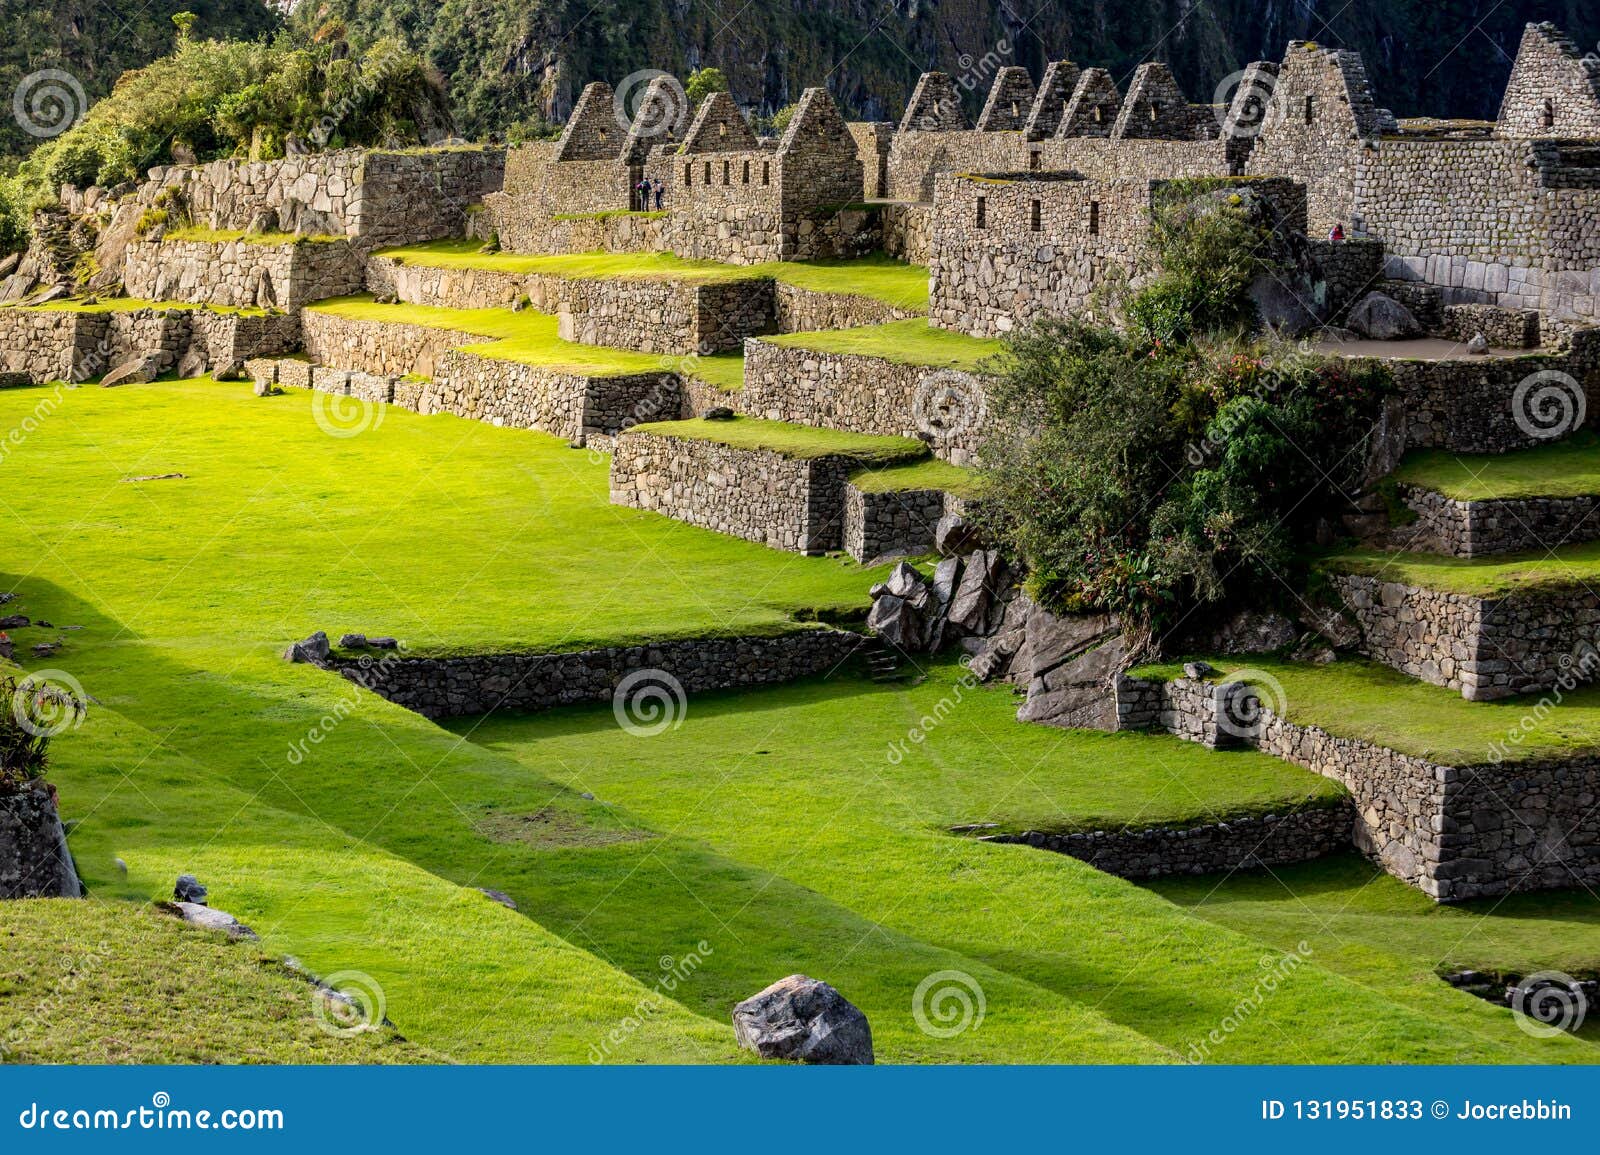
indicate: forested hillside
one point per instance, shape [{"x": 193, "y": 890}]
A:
[
  {"x": 509, "y": 58},
  {"x": 94, "y": 41}
]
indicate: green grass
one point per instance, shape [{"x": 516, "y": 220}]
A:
[
  {"x": 1569, "y": 568},
  {"x": 930, "y": 473},
  {"x": 801, "y": 442},
  {"x": 1569, "y": 468},
  {"x": 225, "y": 236},
  {"x": 802, "y": 828},
  {"x": 526, "y": 337},
  {"x": 876, "y": 276},
  {"x": 799, "y": 785},
  {"x": 103, "y": 981},
  {"x": 128, "y": 304},
  {"x": 908, "y": 342},
  {"x": 1358, "y": 699}
]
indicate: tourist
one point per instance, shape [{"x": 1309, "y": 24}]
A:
[
  {"x": 659, "y": 187},
  {"x": 644, "y": 194},
  {"x": 1338, "y": 232}
]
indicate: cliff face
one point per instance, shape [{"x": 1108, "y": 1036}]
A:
[{"x": 506, "y": 58}]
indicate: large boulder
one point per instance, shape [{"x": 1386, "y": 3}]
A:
[
  {"x": 802, "y": 1019},
  {"x": 1379, "y": 317},
  {"x": 313, "y": 650},
  {"x": 138, "y": 371},
  {"x": 34, "y": 860}
]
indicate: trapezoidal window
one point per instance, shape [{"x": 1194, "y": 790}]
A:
[
  {"x": 746, "y": 172},
  {"x": 1311, "y": 110},
  {"x": 1014, "y": 109},
  {"x": 727, "y": 172},
  {"x": 1548, "y": 117},
  {"x": 708, "y": 172},
  {"x": 1035, "y": 161},
  {"x": 1099, "y": 114},
  {"x": 688, "y": 175},
  {"x": 1034, "y": 221},
  {"x": 1155, "y": 111},
  {"x": 766, "y": 172},
  {"x": 1094, "y": 218},
  {"x": 982, "y": 219}
]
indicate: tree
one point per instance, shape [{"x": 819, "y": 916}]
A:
[{"x": 702, "y": 83}]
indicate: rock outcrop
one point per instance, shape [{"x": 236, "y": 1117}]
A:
[{"x": 804, "y": 1020}]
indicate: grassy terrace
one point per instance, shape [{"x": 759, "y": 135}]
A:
[
  {"x": 1572, "y": 567},
  {"x": 531, "y": 338},
  {"x": 801, "y": 442},
  {"x": 213, "y": 1002},
  {"x": 893, "y": 282},
  {"x": 909, "y": 342},
  {"x": 789, "y": 808},
  {"x": 800, "y": 828},
  {"x": 1568, "y": 468},
  {"x": 1371, "y": 702},
  {"x": 929, "y": 473}
]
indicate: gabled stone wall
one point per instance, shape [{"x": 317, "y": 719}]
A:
[{"x": 1554, "y": 90}]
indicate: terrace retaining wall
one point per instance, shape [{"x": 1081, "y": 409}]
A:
[
  {"x": 1471, "y": 529},
  {"x": 73, "y": 345},
  {"x": 382, "y": 347},
  {"x": 1487, "y": 648},
  {"x": 895, "y": 524},
  {"x": 859, "y": 394},
  {"x": 521, "y": 396},
  {"x": 241, "y": 273},
  {"x": 798, "y": 310},
  {"x": 1236, "y": 844},
  {"x": 454, "y": 687},
  {"x": 762, "y": 496},
  {"x": 1454, "y": 832}
]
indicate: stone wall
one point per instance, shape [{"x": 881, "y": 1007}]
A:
[
  {"x": 381, "y": 347},
  {"x": 1301, "y": 835},
  {"x": 1473, "y": 405},
  {"x": 860, "y": 394},
  {"x": 34, "y": 859},
  {"x": 900, "y": 523},
  {"x": 1553, "y": 91},
  {"x": 456, "y": 687},
  {"x": 873, "y": 141},
  {"x": 523, "y": 225},
  {"x": 385, "y": 198},
  {"x": 1471, "y": 529},
  {"x": 798, "y": 310},
  {"x": 1486, "y": 648},
  {"x": 71, "y": 345},
  {"x": 908, "y": 232},
  {"x": 1455, "y": 833},
  {"x": 1010, "y": 248},
  {"x": 520, "y": 396},
  {"x": 1502, "y": 328},
  {"x": 242, "y": 273},
  {"x": 782, "y": 502}
]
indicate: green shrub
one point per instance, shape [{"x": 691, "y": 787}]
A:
[
  {"x": 23, "y": 752},
  {"x": 1185, "y": 460}
]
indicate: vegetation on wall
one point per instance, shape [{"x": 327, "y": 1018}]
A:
[{"x": 1184, "y": 460}]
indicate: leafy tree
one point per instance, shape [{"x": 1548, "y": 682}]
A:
[
  {"x": 702, "y": 83},
  {"x": 1185, "y": 460}
]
